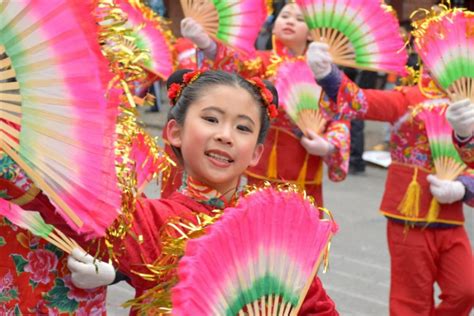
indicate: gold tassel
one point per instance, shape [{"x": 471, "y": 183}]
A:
[
  {"x": 302, "y": 175},
  {"x": 272, "y": 171},
  {"x": 410, "y": 205},
  {"x": 433, "y": 211},
  {"x": 318, "y": 178}
]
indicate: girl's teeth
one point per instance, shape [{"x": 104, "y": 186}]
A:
[{"x": 218, "y": 157}]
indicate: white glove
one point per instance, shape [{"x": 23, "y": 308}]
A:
[
  {"x": 446, "y": 191},
  {"x": 315, "y": 144},
  {"x": 319, "y": 59},
  {"x": 87, "y": 272},
  {"x": 461, "y": 116},
  {"x": 195, "y": 32}
]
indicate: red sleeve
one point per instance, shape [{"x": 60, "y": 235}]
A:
[
  {"x": 317, "y": 302},
  {"x": 369, "y": 104}
]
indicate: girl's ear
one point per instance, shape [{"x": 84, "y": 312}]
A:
[
  {"x": 173, "y": 133},
  {"x": 257, "y": 153}
]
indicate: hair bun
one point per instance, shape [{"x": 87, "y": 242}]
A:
[
  {"x": 177, "y": 77},
  {"x": 273, "y": 90}
]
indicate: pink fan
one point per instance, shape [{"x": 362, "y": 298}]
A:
[
  {"x": 448, "y": 164},
  {"x": 446, "y": 159},
  {"x": 258, "y": 259},
  {"x": 234, "y": 22},
  {"x": 446, "y": 46},
  {"x": 32, "y": 221},
  {"x": 55, "y": 120},
  {"x": 299, "y": 95},
  {"x": 360, "y": 33},
  {"x": 149, "y": 159},
  {"x": 151, "y": 34}
]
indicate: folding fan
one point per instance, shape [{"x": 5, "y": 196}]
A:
[
  {"x": 446, "y": 46},
  {"x": 149, "y": 159},
  {"x": 446, "y": 159},
  {"x": 360, "y": 33},
  {"x": 448, "y": 164},
  {"x": 33, "y": 222},
  {"x": 152, "y": 34},
  {"x": 299, "y": 95},
  {"x": 55, "y": 120},
  {"x": 234, "y": 22},
  {"x": 258, "y": 259}
]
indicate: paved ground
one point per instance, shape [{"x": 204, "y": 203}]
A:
[{"x": 358, "y": 277}]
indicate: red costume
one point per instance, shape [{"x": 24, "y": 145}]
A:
[
  {"x": 421, "y": 252},
  {"x": 34, "y": 279}
]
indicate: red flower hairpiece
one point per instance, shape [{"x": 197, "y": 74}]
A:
[
  {"x": 175, "y": 89},
  {"x": 267, "y": 96}
]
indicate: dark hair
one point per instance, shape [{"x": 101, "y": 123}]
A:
[{"x": 194, "y": 90}]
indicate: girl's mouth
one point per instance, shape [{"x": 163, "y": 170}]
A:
[{"x": 219, "y": 156}]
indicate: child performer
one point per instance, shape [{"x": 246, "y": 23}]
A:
[
  {"x": 216, "y": 127},
  {"x": 34, "y": 279},
  {"x": 460, "y": 115},
  {"x": 422, "y": 252},
  {"x": 287, "y": 157}
]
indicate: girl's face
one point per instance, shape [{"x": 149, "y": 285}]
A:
[
  {"x": 290, "y": 27},
  {"x": 218, "y": 139}
]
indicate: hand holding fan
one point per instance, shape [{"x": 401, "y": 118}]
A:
[
  {"x": 33, "y": 222},
  {"x": 361, "y": 34},
  {"x": 55, "y": 120},
  {"x": 152, "y": 34},
  {"x": 446, "y": 46},
  {"x": 299, "y": 95},
  {"x": 448, "y": 163},
  {"x": 233, "y": 22},
  {"x": 258, "y": 259}
]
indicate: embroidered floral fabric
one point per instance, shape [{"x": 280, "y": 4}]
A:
[{"x": 34, "y": 279}]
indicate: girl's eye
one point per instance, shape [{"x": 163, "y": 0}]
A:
[
  {"x": 210, "y": 119},
  {"x": 300, "y": 19},
  {"x": 244, "y": 128}
]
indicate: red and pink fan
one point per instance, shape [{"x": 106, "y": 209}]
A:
[
  {"x": 448, "y": 164},
  {"x": 362, "y": 34},
  {"x": 234, "y": 22},
  {"x": 258, "y": 259},
  {"x": 151, "y": 34},
  {"x": 299, "y": 95},
  {"x": 150, "y": 160},
  {"x": 55, "y": 120},
  {"x": 445, "y": 44}
]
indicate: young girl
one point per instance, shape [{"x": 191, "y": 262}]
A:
[
  {"x": 424, "y": 248},
  {"x": 216, "y": 128},
  {"x": 34, "y": 279},
  {"x": 461, "y": 117},
  {"x": 288, "y": 156}
]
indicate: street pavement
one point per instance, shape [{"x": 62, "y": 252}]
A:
[{"x": 359, "y": 269}]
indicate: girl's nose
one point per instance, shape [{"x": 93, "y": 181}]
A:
[{"x": 224, "y": 136}]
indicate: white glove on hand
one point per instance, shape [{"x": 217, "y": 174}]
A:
[
  {"x": 315, "y": 144},
  {"x": 87, "y": 272},
  {"x": 460, "y": 115},
  {"x": 319, "y": 59},
  {"x": 446, "y": 191},
  {"x": 195, "y": 32}
]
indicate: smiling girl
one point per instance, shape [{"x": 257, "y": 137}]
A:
[
  {"x": 288, "y": 156},
  {"x": 216, "y": 127}
]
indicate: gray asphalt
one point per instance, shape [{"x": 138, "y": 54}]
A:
[{"x": 358, "y": 275}]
